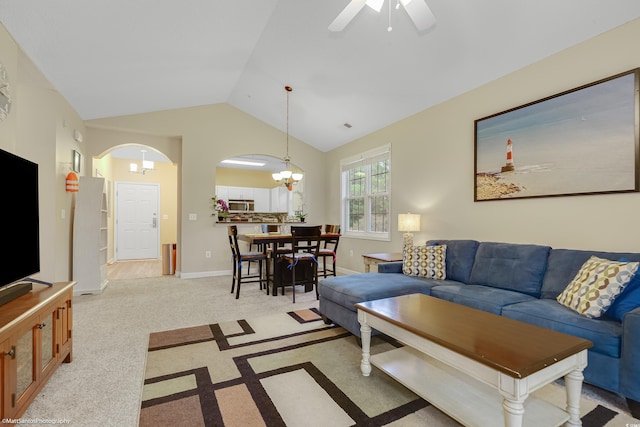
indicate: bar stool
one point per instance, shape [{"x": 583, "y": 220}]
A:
[
  {"x": 301, "y": 259},
  {"x": 329, "y": 249},
  {"x": 238, "y": 257},
  {"x": 266, "y": 228}
]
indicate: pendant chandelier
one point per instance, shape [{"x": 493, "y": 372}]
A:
[
  {"x": 147, "y": 165},
  {"x": 287, "y": 176}
]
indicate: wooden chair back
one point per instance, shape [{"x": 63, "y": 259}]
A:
[
  {"x": 232, "y": 232},
  {"x": 305, "y": 239}
]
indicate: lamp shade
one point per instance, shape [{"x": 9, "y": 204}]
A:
[{"x": 408, "y": 222}]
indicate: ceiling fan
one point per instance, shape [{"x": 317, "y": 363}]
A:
[{"x": 417, "y": 10}]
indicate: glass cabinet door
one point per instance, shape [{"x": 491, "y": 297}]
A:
[
  {"x": 24, "y": 362},
  {"x": 48, "y": 341}
]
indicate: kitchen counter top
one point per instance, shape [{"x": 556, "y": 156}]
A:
[{"x": 258, "y": 218}]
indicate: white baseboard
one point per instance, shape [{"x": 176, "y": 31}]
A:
[{"x": 200, "y": 274}]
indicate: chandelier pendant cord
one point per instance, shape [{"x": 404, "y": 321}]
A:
[{"x": 288, "y": 89}]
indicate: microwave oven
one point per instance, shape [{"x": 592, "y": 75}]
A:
[{"x": 241, "y": 205}]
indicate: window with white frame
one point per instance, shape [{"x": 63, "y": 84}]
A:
[{"x": 366, "y": 194}]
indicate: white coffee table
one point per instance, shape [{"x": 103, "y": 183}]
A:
[{"x": 477, "y": 367}]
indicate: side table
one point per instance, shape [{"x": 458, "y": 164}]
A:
[{"x": 375, "y": 259}]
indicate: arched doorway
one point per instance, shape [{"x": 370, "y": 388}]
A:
[{"x": 143, "y": 208}]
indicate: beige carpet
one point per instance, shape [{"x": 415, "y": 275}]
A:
[{"x": 289, "y": 369}]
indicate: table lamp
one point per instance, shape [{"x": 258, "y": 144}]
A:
[{"x": 408, "y": 222}]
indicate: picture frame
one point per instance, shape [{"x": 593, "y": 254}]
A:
[
  {"x": 578, "y": 142},
  {"x": 77, "y": 161}
]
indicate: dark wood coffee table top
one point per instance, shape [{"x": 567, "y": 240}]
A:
[{"x": 515, "y": 348}]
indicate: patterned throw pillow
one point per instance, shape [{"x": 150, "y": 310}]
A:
[
  {"x": 596, "y": 286},
  {"x": 425, "y": 261}
]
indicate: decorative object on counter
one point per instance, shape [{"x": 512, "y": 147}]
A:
[
  {"x": 220, "y": 207},
  {"x": 408, "y": 222},
  {"x": 301, "y": 216},
  {"x": 287, "y": 176}
]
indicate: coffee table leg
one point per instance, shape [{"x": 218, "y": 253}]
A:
[
  {"x": 513, "y": 412},
  {"x": 573, "y": 384},
  {"x": 365, "y": 336}
]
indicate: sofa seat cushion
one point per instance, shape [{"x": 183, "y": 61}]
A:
[
  {"x": 480, "y": 297},
  {"x": 548, "y": 313},
  {"x": 510, "y": 266},
  {"x": 354, "y": 288}
]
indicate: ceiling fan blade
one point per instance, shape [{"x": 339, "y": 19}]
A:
[
  {"x": 375, "y": 4},
  {"x": 347, "y": 14},
  {"x": 419, "y": 13}
]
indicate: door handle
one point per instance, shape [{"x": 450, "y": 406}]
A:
[{"x": 154, "y": 223}]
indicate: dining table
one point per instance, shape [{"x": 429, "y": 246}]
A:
[{"x": 273, "y": 240}]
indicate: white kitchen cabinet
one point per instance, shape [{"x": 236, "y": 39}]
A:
[
  {"x": 241, "y": 193},
  {"x": 280, "y": 199},
  {"x": 222, "y": 192},
  {"x": 262, "y": 199}
]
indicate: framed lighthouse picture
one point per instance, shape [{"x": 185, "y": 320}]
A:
[{"x": 582, "y": 141}]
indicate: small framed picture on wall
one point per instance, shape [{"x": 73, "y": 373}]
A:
[{"x": 77, "y": 161}]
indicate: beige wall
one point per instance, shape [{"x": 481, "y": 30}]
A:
[
  {"x": 244, "y": 178},
  {"x": 210, "y": 134},
  {"x": 40, "y": 128},
  {"x": 433, "y": 164},
  {"x": 432, "y": 160}
]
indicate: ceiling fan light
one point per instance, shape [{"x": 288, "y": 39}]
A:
[
  {"x": 286, "y": 174},
  {"x": 276, "y": 176},
  {"x": 296, "y": 176}
]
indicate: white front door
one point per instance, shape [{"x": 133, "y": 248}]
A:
[{"x": 137, "y": 224}]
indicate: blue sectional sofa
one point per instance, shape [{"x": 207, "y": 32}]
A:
[{"x": 517, "y": 281}]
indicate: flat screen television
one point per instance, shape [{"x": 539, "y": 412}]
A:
[{"x": 21, "y": 253}]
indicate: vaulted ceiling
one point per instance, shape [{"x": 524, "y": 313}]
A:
[{"x": 120, "y": 57}]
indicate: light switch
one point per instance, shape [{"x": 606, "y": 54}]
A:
[
  {"x": 193, "y": 217},
  {"x": 165, "y": 216}
]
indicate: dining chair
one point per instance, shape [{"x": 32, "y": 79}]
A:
[
  {"x": 301, "y": 258},
  {"x": 329, "y": 249},
  {"x": 238, "y": 257},
  {"x": 266, "y": 228}
]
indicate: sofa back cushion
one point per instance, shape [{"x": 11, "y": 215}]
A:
[
  {"x": 564, "y": 264},
  {"x": 459, "y": 258},
  {"x": 511, "y": 266}
]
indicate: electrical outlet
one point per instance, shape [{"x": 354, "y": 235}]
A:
[
  {"x": 207, "y": 254},
  {"x": 351, "y": 252}
]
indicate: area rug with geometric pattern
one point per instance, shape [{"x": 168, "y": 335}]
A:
[{"x": 290, "y": 369}]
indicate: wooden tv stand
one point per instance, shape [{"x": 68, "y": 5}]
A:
[{"x": 35, "y": 338}]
